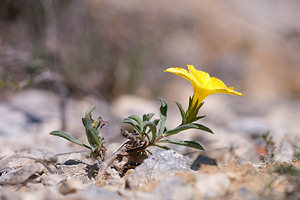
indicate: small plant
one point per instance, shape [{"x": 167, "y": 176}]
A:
[
  {"x": 92, "y": 129},
  {"x": 147, "y": 131},
  {"x": 269, "y": 148}
]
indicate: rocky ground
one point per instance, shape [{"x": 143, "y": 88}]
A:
[{"x": 237, "y": 164}]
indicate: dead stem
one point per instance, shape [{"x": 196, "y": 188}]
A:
[
  {"x": 82, "y": 151},
  {"x": 126, "y": 149},
  {"x": 106, "y": 163}
]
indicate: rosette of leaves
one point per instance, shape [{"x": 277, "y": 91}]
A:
[
  {"x": 92, "y": 129},
  {"x": 154, "y": 132}
]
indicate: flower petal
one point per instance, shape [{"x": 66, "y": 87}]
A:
[
  {"x": 203, "y": 84},
  {"x": 201, "y": 77},
  {"x": 199, "y": 95},
  {"x": 217, "y": 86},
  {"x": 226, "y": 91},
  {"x": 216, "y": 83},
  {"x": 182, "y": 73}
]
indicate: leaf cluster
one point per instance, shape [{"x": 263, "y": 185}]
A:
[
  {"x": 92, "y": 129},
  {"x": 153, "y": 132}
]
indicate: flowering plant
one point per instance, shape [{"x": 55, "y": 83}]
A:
[
  {"x": 147, "y": 131},
  {"x": 203, "y": 85}
]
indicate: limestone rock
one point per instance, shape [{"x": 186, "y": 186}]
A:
[
  {"x": 179, "y": 190},
  {"x": 40, "y": 154},
  {"x": 73, "y": 168},
  {"x": 20, "y": 175},
  {"x": 158, "y": 166},
  {"x": 70, "y": 186},
  {"x": 93, "y": 192},
  {"x": 210, "y": 186},
  {"x": 51, "y": 179},
  {"x": 113, "y": 181}
]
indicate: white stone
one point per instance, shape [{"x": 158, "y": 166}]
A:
[{"x": 212, "y": 185}]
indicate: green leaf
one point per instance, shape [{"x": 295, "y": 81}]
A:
[
  {"x": 198, "y": 108},
  {"x": 138, "y": 120},
  {"x": 147, "y": 117},
  {"x": 91, "y": 133},
  {"x": 203, "y": 128},
  {"x": 156, "y": 121},
  {"x": 179, "y": 129},
  {"x": 70, "y": 138},
  {"x": 150, "y": 115},
  {"x": 182, "y": 113},
  {"x": 163, "y": 116},
  {"x": 88, "y": 112},
  {"x": 191, "y": 144},
  {"x": 190, "y": 101},
  {"x": 192, "y": 111},
  {"x": 186, "y": 127},
  {"x": 201, "y": 104},
  {"x": 130, "y": 122},
  {"x": 163, "y": 147},
  {"x": 152, "y": 127},
  {"x": 197, "y": 118}
]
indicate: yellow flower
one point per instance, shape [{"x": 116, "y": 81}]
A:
[{"x": 203, "y": 84}]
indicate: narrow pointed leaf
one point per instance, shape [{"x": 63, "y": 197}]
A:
[
  {"x": 131, "y": 123},
  {"x": 192, "y": 111},
  {"x": 152, "y": 127},
  {"x": 186, "y": 127},
  {"x": 163, "y": 116},
  {"x": 156, "y": 121},
  {"x": 70, "y": 138},
  {"x": 91, "y": 133},
  {"x": 201, "y": 104},
  {"x": 197, "y": 118},
  {"x": 163, "y": 147},
  {"x": 138, "y": 120},
  {"x": 147, "y": 117},
  {"x": 150, "y": 115},
  {"x": 191, "y": 144},
  {"x": 203, "y": 128},
  {"x": 179, "y": 129},
  {"x": 88, "y": 112},
  {"x": 198, "y": 108},
  {"x": 190, "y": 101},
  {"x": 182, "y": 113}
]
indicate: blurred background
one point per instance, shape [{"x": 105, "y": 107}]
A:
[{"x": 59, "y": 57}]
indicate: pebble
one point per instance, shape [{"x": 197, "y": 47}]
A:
[
  {"x": 179, "y": 190},
  {"x": 211, "y": 186},
  {"x": 21, "y": 175},
  {"x": 70, "y": 185}
]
